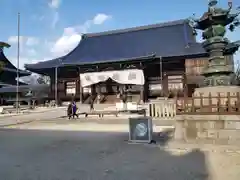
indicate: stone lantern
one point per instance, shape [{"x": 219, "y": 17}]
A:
[{"x": 218, "y": 73}]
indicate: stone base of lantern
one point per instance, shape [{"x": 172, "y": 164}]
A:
[{"x": 215, "y": 126}]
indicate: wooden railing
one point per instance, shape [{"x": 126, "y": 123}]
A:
[
  {"x": 162, "y": 109},
  {"x": 229, "y": 104}
]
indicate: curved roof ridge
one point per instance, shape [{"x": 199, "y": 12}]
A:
[
  {"x": 4, "y": 57},
  {"x": 137, "y": 28}
]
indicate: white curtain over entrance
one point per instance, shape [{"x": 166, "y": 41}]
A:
[{"x": 129, "y": 76}]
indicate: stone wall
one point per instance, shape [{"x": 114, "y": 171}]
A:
[{"x": 208, "y": 128}]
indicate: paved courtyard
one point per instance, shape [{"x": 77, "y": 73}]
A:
[{"x": 67, "y": 155}]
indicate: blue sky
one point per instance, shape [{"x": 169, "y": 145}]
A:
[{"x": 51, "y": 28}]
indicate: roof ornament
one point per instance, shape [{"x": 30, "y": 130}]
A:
[
  {"x": 212, "y": 6},
  {"x": 230, "y": 4},
  {"x": 192, "y": 21},
  {"x": 212, "y": 3},
  {"x": 3, "y": 45}
]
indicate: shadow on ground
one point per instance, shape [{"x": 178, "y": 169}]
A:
[{"x": 62, "y": 155}]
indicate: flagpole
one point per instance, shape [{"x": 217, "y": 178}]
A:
[
  {"x": 56, "y": 86},
  {"x": 18, "y": 55}
]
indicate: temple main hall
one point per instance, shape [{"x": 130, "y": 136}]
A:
[{"x": 133, "y": 65}]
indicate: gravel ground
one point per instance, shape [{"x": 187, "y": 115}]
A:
[
  {"x": 65, "y": 155},
  {"x": 83, "y": 125}
]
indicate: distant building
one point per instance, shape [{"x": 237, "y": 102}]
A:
[
  {"x": 142, "y": 63},
  {"x": 8, "y": 75},
  {"x": 8, "y": 72}
]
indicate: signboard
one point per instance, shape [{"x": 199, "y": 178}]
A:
[
  {"x": 140, "y": 129},
  {"x": 129, "y": 76}
]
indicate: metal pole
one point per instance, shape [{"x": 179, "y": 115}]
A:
[
  {"x": 161, "y": 74},
  {"x": 56, "y": 87},
  {"x": 18, "y": 55}
]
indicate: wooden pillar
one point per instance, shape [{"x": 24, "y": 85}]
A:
[
  {"x": 121, "y": 92},
  {"x": 185, "y": 86},
  {"x": 143, "y": 88},
  {"x": 51, "y": 94},
  {"x": 93, "y": 89},
  {"x": 80, "y": 93},
  {"x": 146, "y": 90},
  {"x": 142, "y": 94},
  {"x": 98, "y": 93},
  {"x": 80, "y": 86},
  {"x": 165, "y": 84},
  {"x": 76, "y": 88},
  {"x": 98, "y": 89}
]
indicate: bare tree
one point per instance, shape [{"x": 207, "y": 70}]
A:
[{"x": 43, "y": 80}]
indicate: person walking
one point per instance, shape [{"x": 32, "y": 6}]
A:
[
  {"x": 74, "y": 110},
  {"x": 91, "y": 104},
  {"x": 69, "y": 110}
]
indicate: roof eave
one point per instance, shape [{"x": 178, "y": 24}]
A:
[
  {"x": 21, "y": 72},
  {"x": 113, "y": 60}
]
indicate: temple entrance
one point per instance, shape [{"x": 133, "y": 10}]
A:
[{"x": 113, "y": 86}]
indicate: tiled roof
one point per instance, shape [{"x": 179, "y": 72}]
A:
[
  {"x": 164, "y": 39},
  {"x": 8, "y": 66},
  {"x": 24, "y": 88}
]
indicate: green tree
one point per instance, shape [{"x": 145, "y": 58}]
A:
[{"x": 43, "y": 80}]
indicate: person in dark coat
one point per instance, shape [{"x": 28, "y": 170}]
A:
[
  {"x": 74, "y": 110},
  {"x": 91, "y": 104},
  {"x": 69, "y": 111}
]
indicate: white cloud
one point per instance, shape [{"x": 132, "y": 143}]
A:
[
  {"x": 66, "y": 42},
  {"x": 100, "y": 18},
  {"x": 37, "y": 17},
  {"x": 54, "y": 4},
  {"x": 22, "y": 61},
  {"x": 55, "y": 19},
  {"x": 31, "y": 52},
  {"x": 32, "y": 41},
  {"x": 28, "y": 59},
  {"x": 14, "y": 39},
  {"x": 37, "y": 60},
  {"x": 28, "y": 40},
  {"x": 72, "y": 35},
  {"x": 25, "y": 42}
]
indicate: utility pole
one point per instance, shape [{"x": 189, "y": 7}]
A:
[
  {"x": 56, "y": 86},
  {"x": 18, "y": 55}
]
